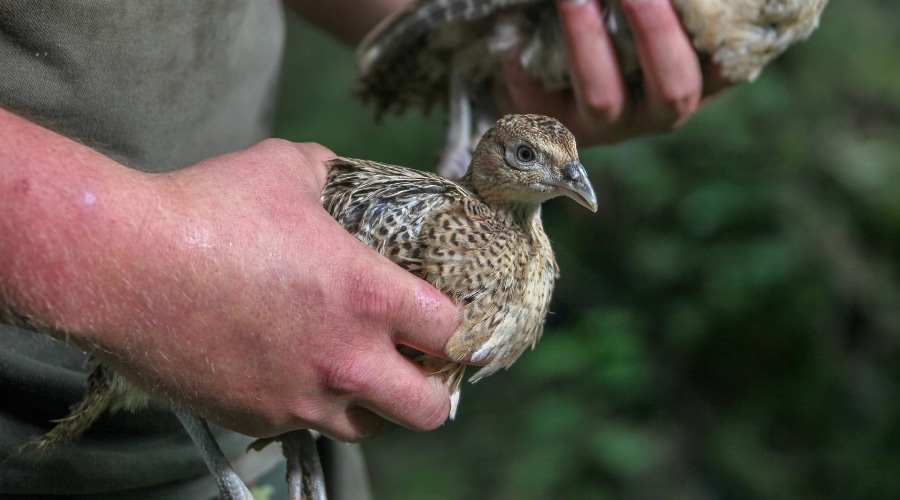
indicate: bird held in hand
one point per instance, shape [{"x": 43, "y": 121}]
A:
[
  {"x": 479, "y": 240},
  {"x": 446, "y": 52}
]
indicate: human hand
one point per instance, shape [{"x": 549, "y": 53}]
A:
[
  {"x": 288, "y": 321},
  {"x": 224, "y": 288},
  {"x": 599, "y": 108}
]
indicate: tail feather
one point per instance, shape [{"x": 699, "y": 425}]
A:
[{"x": 103, "y": 393}]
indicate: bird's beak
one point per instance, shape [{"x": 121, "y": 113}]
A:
[{"x": 574, "y": 183}]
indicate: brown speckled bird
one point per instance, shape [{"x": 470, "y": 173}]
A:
[
  {"x": 445, "y": 52},
  {"x": 479, "y": 240}
]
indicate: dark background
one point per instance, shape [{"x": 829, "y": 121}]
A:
[{"x": 726, "y": 326}]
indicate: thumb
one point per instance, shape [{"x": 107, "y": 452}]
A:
[{"x": 425, "y": 319}]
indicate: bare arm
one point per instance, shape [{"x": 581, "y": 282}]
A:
[
  {"x": 224, "y": 287},
  {"x": 347, "y": 20}
]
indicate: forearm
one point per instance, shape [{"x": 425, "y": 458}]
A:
[
  {"x": 347, "y": 20},
  {"x": 71, "y": 218},
  {"x": 149, "y": 272}
]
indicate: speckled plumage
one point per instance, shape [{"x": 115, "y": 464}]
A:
[
  {"x": 407, "y": 60},
  {"x": 445, "y": 52},
  {"x": 480, "y": 241}
]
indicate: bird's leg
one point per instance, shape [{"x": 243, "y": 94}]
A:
[
  {"x": 305, "y": 478},
  {"x": 299, "y": 448},
  {"x": 231, "y": 487},
  {"x": 457, "y": 151}
]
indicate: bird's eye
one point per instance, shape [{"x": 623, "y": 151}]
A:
[{"x": 525, "y": 154}]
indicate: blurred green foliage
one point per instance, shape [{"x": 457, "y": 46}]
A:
[{"x": 726, "y": 326}]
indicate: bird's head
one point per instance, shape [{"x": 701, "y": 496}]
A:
[{"x": 524, "y": 160}]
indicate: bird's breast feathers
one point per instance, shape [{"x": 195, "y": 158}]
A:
[{"x": 501, "y": 270}]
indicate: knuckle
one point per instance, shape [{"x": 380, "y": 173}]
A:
[
  {"x": 293, "y": 152},
  {"x": 359, "y": 425},
  {"x": 314, "y": 149},
  {"x": 681, "y": 103},
  {"x": 279, "y": 152},
  {"x": 343, "y": 377},
  {"x": 603, "y": 107},
  {"x": 674, "y": 104},
  {"x": 368, "y": 293},
  {"x": 275, "y": 146}
]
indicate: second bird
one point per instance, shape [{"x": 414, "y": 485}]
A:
[{"x": 445, "y": 52}]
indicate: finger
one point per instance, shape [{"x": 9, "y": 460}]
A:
[
  {"x": 523, "y": 93},
  {"x": 378, "y": 378},
  {"x": 599, "y": 88},
  {"x": 422, "y": 317},
  {"x": 309, "y": 156},
  {"x": 404, "y": 392},
  {"x": 672, "y": 78},
  {"x": 353, "y": 425},
  {"x": 713, "y": 81},
  {"x": 387, "y": 299}
]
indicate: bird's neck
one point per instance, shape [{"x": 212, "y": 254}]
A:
[
  {"x": 526, "y": 214},
  {"x": 528, "y": 219},
  {"x": 468, "y": 181},
  {"x": 529, "y": 215}
]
